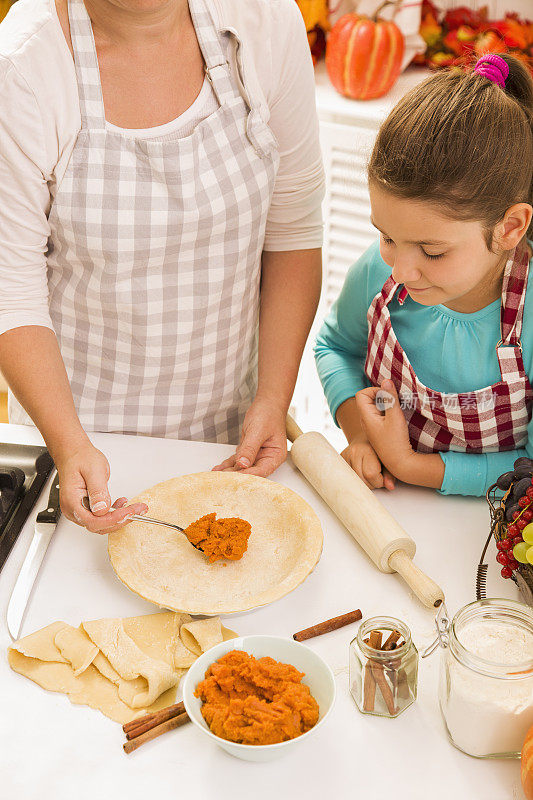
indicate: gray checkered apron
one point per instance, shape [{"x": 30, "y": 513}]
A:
[
  {"x": 486, "y": 420},
  {"x": 154, "y": 258}
]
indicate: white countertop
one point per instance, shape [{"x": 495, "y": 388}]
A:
[{"x": 52, "y": 749}]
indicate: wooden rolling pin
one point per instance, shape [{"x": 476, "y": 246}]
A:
[{"x": 371, "y": 525}]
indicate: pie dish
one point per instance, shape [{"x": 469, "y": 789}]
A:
[{"x": 163, "y": 567}]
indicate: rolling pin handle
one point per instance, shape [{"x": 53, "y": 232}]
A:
[
  {"x": 427, "y": 591},
  {"x": 293, "y": 430}
]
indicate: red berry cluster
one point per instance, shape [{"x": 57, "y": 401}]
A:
[{"x": 506, "y": 558}]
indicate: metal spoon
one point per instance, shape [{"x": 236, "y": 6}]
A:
[{"x": 140, "y": 518}]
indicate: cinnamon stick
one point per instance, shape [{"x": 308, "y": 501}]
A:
[
  {"x": 369, "y": 685},
  {"x": 392, "y": 675},
  {"x": 386, "y": 691},
  {"x": 403, "y": 685},
  {"x": 153, "y": 733},
  {"x": 155, "y": 718},
  {"x": 329, "y": 625},
  {"x": 369, "y": 689},
  {"x": 391, "y": 667},
  {"x": 158, "y": 719},
  {"x": 393, "y": 638}
]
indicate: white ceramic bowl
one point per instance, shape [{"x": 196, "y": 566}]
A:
[{"x": 318, "y": 676}]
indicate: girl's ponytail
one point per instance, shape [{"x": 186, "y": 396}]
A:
[{"x": 519, "y": 84}]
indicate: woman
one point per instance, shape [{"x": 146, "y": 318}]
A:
[{"x": 160, "y": 227}]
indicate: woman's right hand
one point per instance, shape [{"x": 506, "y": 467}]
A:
[
  {"x": 84, "y": 472},
  {"x": 362, "y": 458}
]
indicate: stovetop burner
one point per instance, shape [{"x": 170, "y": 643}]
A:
[
  {"x": 11, "y": 488},
  {"x": 24, "y": 470}
]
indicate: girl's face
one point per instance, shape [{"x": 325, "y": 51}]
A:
[{"x": 438, "y": 259}]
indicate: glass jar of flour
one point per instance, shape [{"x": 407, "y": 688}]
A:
[{"x": 486, "y": 679}]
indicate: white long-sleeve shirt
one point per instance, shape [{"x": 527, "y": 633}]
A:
[{"x": 40, "y": 120}]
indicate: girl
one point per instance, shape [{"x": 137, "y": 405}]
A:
[{"x": 426, "y": 357}]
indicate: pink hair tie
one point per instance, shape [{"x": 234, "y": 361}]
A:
[{"x": 494, "y": 68}]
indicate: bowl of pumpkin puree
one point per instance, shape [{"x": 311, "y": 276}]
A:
[{"x": 259, "y": 697}]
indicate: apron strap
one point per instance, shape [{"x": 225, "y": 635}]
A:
[
  {"x": 216, "y": 62},
  {"x": 402, "y": 296},
  {"x": 509, "y": 348},
  {"x": 218, "y": 73},
  {"x": 513, "y": 297},
  {"x": 86, "y": 63},
  {"x": 390, "y": 287}
]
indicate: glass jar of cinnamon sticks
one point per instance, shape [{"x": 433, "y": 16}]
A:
[{"x": 383, "y": 667}]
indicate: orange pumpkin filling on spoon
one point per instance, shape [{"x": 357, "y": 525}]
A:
[{"x": 220, "y": 538}]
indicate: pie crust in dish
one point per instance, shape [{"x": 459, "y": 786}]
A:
[{"x": 162, "y": 566}]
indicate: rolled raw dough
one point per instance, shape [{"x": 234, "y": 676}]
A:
[
  {"x": 123, "y": 667},
  {"x": 162, "y": 566}
]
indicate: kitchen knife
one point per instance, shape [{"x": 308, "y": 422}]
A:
[{"x": 45, "y": 525}]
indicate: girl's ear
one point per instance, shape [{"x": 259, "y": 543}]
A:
[{"x": 513, "y": 227}]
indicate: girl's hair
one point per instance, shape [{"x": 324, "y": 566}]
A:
[{"x": 460, "y": 141}]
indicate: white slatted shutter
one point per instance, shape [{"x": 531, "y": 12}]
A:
[{"x": 348, "y": 233}]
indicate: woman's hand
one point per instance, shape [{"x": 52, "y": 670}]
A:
[
  {"x": 363, "y": 459},
  {"x": 85, "y": 472},
  {"x": 263, "y": 444}
]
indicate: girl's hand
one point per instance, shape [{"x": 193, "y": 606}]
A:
[
  {"x": 85, "y": 471},
  {"x": 386, "y": 427},
  {"x": 263, "y": 444},
  {"x": 363, "y": 459},
  {"x": 388, "y": 433}
]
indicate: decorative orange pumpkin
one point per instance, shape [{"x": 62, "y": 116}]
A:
[
  {"x": 527, "y": 765},
  {"x": 364, "y": 56}
]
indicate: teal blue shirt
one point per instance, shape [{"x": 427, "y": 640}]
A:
[{"x": 449, "y": 352}]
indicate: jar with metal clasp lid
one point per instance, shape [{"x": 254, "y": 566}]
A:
[{"x": 486, "y": 676}]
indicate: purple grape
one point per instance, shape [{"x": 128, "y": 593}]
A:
[
  {"x": 522, "y": 472},
  {"x": 505, "y": 480},
  {"x": 519, "y": 488},
  {"x": 510, "y": 511},
  {"x": 523, "y": 462}
]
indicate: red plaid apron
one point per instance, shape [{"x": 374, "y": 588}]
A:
[{"x": 486, "y": 420}]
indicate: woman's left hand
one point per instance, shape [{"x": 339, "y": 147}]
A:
[
  {"x": 263, "y": 444},
  {"x": 386, "y": 427}
]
